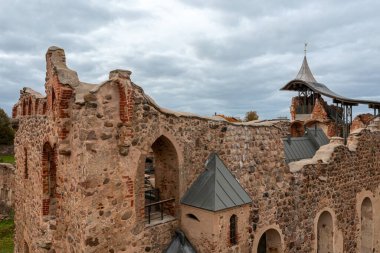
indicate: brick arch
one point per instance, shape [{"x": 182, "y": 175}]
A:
[
  {"x": 49, "y": 179},
  {"x": 274, "y": 240},
  {"x": 297, "y": 129}
]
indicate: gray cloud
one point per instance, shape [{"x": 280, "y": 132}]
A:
[{"x": 199, "y": 56}]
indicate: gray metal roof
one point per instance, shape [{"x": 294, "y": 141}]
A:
[
  {"x": 305, "y": 72},
  {"x": 298, "y": 148},
  {"x": 180, "y": 244},
  {"x": 216, "y": 188},
  {"x": 317, "y": 136},
  {"x": 305, "y": 78}
]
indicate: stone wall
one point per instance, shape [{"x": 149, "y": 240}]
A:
[
  {"x": 7, "y": 183},
  {"x": 110, "y": 130}
]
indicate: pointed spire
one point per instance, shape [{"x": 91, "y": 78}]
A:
[{"x": 305, "y": 73}]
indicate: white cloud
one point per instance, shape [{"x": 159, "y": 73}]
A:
[{"x": 198, "y": 56}]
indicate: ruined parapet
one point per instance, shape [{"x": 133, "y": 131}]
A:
[
  {"x": 361, "y": 121},
  {"x": 31, "y": 103},
  {"x": 319, "y": 111},
  {"x": 374, "y": 124}
]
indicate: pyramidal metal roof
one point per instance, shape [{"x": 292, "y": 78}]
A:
[
  {"x": 305, "y": 73},
  {"x": 216, "y": 188},
  {"x": 298, "y": 148},
  {"x": 180, "y": 244}
]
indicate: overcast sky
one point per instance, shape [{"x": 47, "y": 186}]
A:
[{"x": 200, "y": 56}]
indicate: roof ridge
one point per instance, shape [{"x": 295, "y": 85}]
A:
[{"x": 216, "y": 188}]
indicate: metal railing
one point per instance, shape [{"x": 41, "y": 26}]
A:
[
  {"x": 152, "y": 195},
  {"x": 159, "y": 204}
]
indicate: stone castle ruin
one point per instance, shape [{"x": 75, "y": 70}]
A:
[{"x": 103, "y": 168}]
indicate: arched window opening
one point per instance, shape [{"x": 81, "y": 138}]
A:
[
  {"x": 233, "y": 230},
  {"x": 24, "y": 108},
  {"x": 44, "y": 108},
  {"x": 192, "y": 216},
  {"x": 270, "y": 242},
  {"x": 297, "y": 129},
  {"x": 52, "y": 98},
  {"x": 26, "y": 172},
  {"x": 36, "y": 107},
  {"x": 49, "y": 179},
  {"x": 30, "y": 107},
  {"x": 161, "y": 180},
  {"x": 325, "y": 233},
  {"x": 366, "y": 226}
]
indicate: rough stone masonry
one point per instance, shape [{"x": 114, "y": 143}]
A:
[{"x": 82, "y": 176}]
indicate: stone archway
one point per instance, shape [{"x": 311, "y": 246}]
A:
[
  {"x": 159, "y": 178},
  {"x": 270, "y": 242},
  {"x": 297, "y": 129},
  {"x": 366, "y": 226},
  {"x": 325, "y": 233}
]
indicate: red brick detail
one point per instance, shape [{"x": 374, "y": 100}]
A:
[
  {"x": 123, "y": 103},
  {"x": 36, "y": 107},
  {"x": 129, "y": 183},
  {"x": 126, "y": 98},
  {"x": 62, "y": 133},
  {"x": 24, "y": 108},
  {"x": 361, "y": 121},
  {"x": 45, "y": 206},
  {"x": 319, "y": 111},
  {"x": 64, "y": 102},
  {"x": 293, "y": 108},
  {"x": 29, "y": 106},
  {"x": 49, "y": 177},
  {"x": 44, "y": 107},
  {"x": 297, "y": 129}
]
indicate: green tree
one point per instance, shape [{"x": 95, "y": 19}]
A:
[
  {"x": 251, "y": 115},
  {"x": 6, "y": 132}
]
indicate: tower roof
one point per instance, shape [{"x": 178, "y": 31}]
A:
[
  {"x": 305, "y": 80},
  {"x": 305, "y": 73},
  {"x": 216, "y": 188}
]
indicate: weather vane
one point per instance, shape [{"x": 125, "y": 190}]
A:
[{"x": 305, "y": 48}]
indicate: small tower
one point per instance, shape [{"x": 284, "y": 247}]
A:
[{"x": 215, "y": 210}]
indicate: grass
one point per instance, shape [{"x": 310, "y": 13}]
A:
[
  {"x": 6, "y": 236},
  {"x": 7, "y": 159}
]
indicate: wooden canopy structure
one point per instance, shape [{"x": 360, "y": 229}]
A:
[{"x": 308, "y": 88}]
